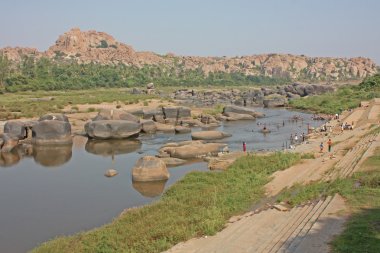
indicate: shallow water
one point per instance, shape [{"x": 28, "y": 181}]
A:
[{"x": 63, "y": 190}]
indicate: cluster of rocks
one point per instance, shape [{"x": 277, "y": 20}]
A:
[
  {"x": 267, "y": 97},
  {"x": 51, "y": 129}
]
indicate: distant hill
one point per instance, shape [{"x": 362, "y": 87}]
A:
[{"x": 84, "y": 47}]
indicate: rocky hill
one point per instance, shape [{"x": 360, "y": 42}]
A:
[{"x": 102, "y": 48}]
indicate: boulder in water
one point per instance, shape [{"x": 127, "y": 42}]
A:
[
  {"x": 112, "y": 129},
  {"x": 150, "y": 168},
  {"x": 52, "y": 132},
  {"x": 209, "y": 135}
]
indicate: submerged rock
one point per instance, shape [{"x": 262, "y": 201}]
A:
[
  {"x": 111, "y": 173},
  {"x": 242, "y": 110}
]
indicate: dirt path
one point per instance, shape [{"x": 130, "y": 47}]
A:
[{"x": 307, "y": 228}]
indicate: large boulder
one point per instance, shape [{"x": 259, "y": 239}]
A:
[
  {"x": 182, "y": 129},
  {"x": 112, "y": 114},
  {"x": 194, "y": 150},
  {"x": 209, "y": 135},
  {"x": 112, "y": 147},
  {"x": 150, "y": 168},
  {"x": 54, "y": 116},
  {"x": 164, "y": 127},
  {"x": 51, "y": 132},
  {"x": 172, "y": 162},
  {"x": 16, "y": 129},
  {"x": 242, "y": 110},
  {"x": 112, "y": 129}
]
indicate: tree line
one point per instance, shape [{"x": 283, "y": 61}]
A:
[{"x": 46, "y": 74}]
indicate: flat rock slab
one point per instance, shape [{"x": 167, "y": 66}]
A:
[{"x": 210, "y": 135}]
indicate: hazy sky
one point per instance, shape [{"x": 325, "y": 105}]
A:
[{"x": 204, "y": 27}]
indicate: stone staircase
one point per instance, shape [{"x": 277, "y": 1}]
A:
[
  {"x": 268, "y": 231},
  {"x": 346, "y": 166}
]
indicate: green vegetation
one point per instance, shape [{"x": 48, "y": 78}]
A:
[
  {"x": 343, "y": 99},
  {"x": 63, "y": 74},
  {"x": 33, "y": 104},
  {"x": 217, "y": 109},
  {"x": 199, "y": 204}
]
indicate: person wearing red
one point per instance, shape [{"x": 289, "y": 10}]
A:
[{"x": 244, "y": 146}]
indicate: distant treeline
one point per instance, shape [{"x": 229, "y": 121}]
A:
[{"x": 46, "y": 74}]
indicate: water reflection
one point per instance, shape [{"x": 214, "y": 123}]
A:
[
  {"x": 112, "y": 147},
  {"x": 10, "y": 158},
  {"x": 51, "y": 156},
  {"x": 149, "y": 189}
]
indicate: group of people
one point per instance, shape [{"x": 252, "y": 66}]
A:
[{"x": 296, "y": 138}]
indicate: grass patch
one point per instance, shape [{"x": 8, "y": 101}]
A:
[
  {"x": 217, "y": 109},
  {"x": 199, "y": 204},
  {"x": 307, "y": 156},
  {"x": 25, "y": 105}
]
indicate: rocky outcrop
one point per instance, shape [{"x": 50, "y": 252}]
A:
[
  {"x": 241, "y": 110},
  {"x": 150, "y": 168},
  {"x": 99, "y": 47},
  {"x": 112, "y": 129},
  {"x": 209, "y": 135}
]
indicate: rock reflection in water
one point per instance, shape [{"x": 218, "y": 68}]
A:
[
  {"x": 149, "y": 189},
  {"x": 51, "y": 156},
  {"x": 10, "y": 158},
  {"x": 112, "y": 147}
]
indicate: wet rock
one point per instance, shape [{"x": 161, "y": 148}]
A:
[
  {"x": 111, "y": 173},
  {"x": 148, "y": 126},
  {"x": 51, "y": 132},
  {"x": 150, "y": 168},
  {"x": 210, "y": 135},
  {"x": 112, "y": 129},
  {"x": 16, "y": 129},
  {"x": 176, "y": 112},
  {"x": 9, "y": 143},
  {"x": 54, "y": 116}
]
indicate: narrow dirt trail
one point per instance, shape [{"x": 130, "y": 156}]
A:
[{"x": 306, "y": 228}]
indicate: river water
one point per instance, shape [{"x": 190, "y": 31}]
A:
[{"x": 61, "y": 191}]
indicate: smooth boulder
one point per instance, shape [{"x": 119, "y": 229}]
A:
[
  {"x": 112, "y": 129},
  {"x": 52, "y": 132},
  {"x": 16, "y": 129},
  {"x": 232, "y": 116},
  {"x": 148, "y": 126},
  {"x": 182, "y": 129},
  {"x": 150, "y": 168},
  {"x": 209, "y": 135}
]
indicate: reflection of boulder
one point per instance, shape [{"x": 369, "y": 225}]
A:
[
  {"x": 149, "y": 189},
  {"x": 9, "y": 158},
  {"x": 50, "y": 156},
  {"x": 112, "y": 147}
]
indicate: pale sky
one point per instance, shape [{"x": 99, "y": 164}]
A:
[{"x": 343, "y": 28}]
